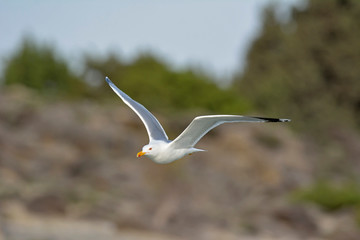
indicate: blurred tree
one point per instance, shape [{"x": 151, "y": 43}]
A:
[
  {"x": 152, "y": 82},
  {"x": 308, "y": 69},
  {"x": 38, "y": 67}
]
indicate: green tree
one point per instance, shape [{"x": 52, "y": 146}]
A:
[
  {"x": 152, "y": 82},
  {"x": 308, "y": 69},
  {"x": 40, "y": 68}
]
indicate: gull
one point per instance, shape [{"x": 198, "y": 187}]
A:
[{"x": 162, "y": 150}]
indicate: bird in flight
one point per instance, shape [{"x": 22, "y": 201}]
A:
[{"x": 162, "y": 150}]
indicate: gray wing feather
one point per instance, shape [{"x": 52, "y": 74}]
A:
[
  {"x": 203, "y": 124},
  {"x": 152, "y": 125}
]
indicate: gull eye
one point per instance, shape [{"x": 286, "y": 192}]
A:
[{"x": 150, "y": 148}]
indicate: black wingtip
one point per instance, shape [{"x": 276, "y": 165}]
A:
[{"x": 274, "y": 119}]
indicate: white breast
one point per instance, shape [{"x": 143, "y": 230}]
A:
[{"x": 168, "y": 154}]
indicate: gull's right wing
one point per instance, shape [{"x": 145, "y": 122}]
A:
[{"x": 152, "y": 125}]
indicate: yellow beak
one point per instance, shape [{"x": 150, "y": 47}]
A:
[{"x": 139, "y": 154}]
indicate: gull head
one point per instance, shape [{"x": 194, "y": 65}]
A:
[
  {"x": 147, "y": 150},
  {"x": 153, "y": 149}
]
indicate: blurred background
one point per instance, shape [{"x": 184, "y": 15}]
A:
[{"x": 68, "y": 144}]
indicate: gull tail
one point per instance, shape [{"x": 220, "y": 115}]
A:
[{"x": 193, "y": 150}]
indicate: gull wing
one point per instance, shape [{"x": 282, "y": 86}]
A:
[
  {"x": 152, "y": 125},
  {"x": 203, "y": 124}
]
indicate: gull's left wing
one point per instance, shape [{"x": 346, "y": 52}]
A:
[{"x": 203, "y": 124}]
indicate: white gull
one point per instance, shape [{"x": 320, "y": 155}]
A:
[{"x": 162, "y": 150}]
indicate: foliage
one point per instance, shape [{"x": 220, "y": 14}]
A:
[
  {"x": 146, "y": 79},
  {"x": 38, "y": 67},
  {"x": 152, "y": 82},
  {"x": 308, "y": 69},
  {"x": 330, "y": 196}
]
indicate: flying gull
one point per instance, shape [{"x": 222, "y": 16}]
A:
[{"x": 162, "y": 150}]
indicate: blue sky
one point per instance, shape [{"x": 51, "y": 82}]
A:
[{"x": 213, "y": 34}]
